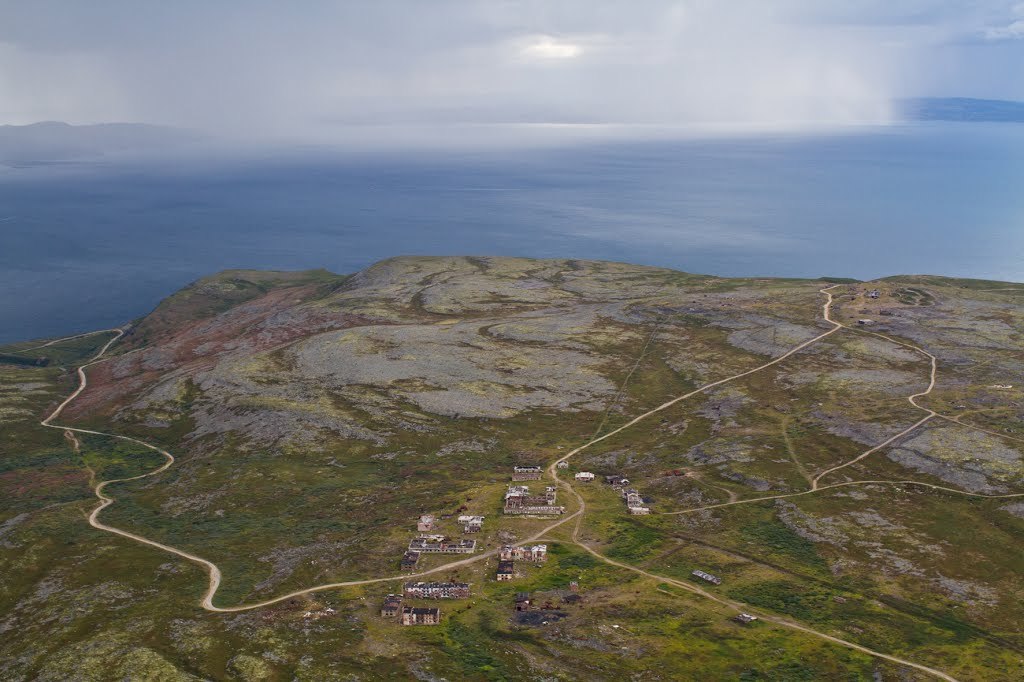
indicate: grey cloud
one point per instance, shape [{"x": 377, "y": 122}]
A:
[{"x": 308, "y": 70}]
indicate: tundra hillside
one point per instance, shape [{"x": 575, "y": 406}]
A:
[{"x": 843, "y": 461}]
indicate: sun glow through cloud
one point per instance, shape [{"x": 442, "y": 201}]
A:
[
  {"x": 546, "y": 47},
  {"x": 313, "y": 75}
]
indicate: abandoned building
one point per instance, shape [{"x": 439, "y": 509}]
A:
[
  {"x": 519, "y": 500},
  {"x": 471, "y": 524},
  {"x": 534, "y": 553},
  {"x": 409, "y": 560},
  {"x": 506, "y": 570},
  {"x": 420, "y": 616},
  {"x": 436, "y": 590},
  {"x": 584, "y": 477},
  {"x": 714, "y": 580},
  {"x": 438, "y": 544},
  {"x": 527, "y": 473},
  {"x": 874, "y": 293},
  {"x": 563, "y": 464},
  {"x": 426, "y": 523},
  {"x": 616, "y": 482},
  {"x": 522, "y": 601},
  {"x": 634, "y": 502},
  {"x": 392, "y": 605}
]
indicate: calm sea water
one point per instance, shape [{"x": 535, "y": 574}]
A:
[{"x": 84, "y": 246}]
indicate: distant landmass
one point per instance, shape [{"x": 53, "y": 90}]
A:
[
  {"x": 57, "y": 141},
  {"x": 962, "y": 109},
  {"x": 52, "y": 141}
]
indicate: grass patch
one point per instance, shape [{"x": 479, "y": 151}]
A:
[
  {"x": 782, "y": 540},
  {"x": 470, "y": 648},
  {"x": 633, "y": 540}
]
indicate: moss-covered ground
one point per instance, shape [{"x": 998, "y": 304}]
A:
[{"x": 917, "y": 572}]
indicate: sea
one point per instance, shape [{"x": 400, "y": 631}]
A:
[{"x": 92, "y": 244}]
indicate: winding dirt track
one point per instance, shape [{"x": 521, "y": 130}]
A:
[
  {"x": 213, "y": 572},
  {"x": 66, "y": 338},
  {"x": 911, "y": 399},
  {"x": 215, "y": 575}
]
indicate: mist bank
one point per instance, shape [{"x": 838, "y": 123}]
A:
[
  {"x": 54, "y": 141},
  {"x": 963, "y": 109}
]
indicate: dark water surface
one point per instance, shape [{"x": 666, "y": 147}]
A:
[{"x": 89, "y": 245}]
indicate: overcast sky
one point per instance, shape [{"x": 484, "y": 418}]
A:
[{"x": 306, "y": 69}]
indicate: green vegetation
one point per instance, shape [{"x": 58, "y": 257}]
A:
[
  {"x": 314, "y": 417},
  {"x": 778, "y": 538}
]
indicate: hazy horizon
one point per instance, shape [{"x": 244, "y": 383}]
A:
[{"x": 340, "y": 71}]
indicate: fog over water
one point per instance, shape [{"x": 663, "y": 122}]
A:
[
  {"x": 265, "y": 69},
  {"x": 88, "y": 245}
]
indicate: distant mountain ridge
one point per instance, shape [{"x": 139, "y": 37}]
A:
[
  {"x": 961, "y": 109},
  {"x": 51, "y": 141}
]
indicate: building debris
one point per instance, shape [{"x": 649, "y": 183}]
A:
[
  {"x": 534, "y": 553},
  {"x": 616, "y": 482},
  {"x": 319, "y": 613},
  {"x": 420, "y": 616},
  {"x": 392, "y": 605},
  {"x": 409, "y": 560},
  {"x": 439, "y": 544},
  {"x": 527, "y": 473},
  {"x": 426, "y": 523},
  {"x": 519, "y": 500},
  {"x": 471, "y": 524},
  {"x": 714, "y": 580},
  {"x": 634, "y": 502},
  {"x": 422, "y": 590}
]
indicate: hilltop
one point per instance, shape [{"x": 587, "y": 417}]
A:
[{"x": 810, "y": 463}]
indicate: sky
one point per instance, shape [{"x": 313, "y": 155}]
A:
[{"x": 261, "y": 69}]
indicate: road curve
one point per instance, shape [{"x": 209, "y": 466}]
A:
[
  {"x": 215, "y": 575},
  {"x": 553, "y": 472},
  {"x": 823, "y": 488},
  {"x": 213, "y": 571},
  {"x": 784, "y": 622},
  {"x": 911, "y": 399}
]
